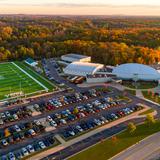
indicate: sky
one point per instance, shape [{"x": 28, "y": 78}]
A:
[{"x": 81, "y": 7}]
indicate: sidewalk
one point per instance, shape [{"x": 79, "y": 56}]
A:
[
  {"x": 84, "y": 136},
  {"x": 139, "y": 93}
]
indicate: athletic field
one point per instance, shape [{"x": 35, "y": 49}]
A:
[{"x": 16, "y": 79}]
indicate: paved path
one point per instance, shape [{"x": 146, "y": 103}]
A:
[
  {"x": 147, "y": 149},
  {"x": 60, "y": 139},
  {"x": 89, "y": 134},
  {"x": 139, "y": 93}
]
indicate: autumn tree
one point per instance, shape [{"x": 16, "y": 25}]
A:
[
  {"x": 131, "y": 127},
  {"x": 150, "y": 119}
]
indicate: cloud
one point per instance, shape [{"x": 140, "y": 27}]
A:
[{"x": 96, "y": 5}]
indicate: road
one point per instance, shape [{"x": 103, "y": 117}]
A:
[
  {"x": 85, "y": 143},
  {"x": 147, "y": 149}
]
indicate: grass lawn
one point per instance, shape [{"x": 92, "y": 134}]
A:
[
  {"x": 133, "y": 92},
  {"x": 13, "y": 80},
  {"x": 151, "y": 110},
  {"x": 150, "y": 97},
  {"x": 41, "y": 79},
  {"x": 110, "y": 147},
  {"x": 125, "y": 98},
  {"x": 140, "y": 85}
]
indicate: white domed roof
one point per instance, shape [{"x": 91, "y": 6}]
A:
[
  {"x": 82, "y": 68},
  {"x": 136, "y": 71}
]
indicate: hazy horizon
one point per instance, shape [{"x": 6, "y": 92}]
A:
[{"x": 81, "y": 7}]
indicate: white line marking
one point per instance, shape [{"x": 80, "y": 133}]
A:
[{"x": 30, "y": 76}]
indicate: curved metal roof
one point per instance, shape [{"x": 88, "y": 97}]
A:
[
  {"x": 136, "y": 71},
  {"x": 82, "y": 69}
]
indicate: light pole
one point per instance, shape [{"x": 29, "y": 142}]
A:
[{"x": 135, "y": 79}]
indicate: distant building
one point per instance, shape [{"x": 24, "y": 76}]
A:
[
  {"x": 135, "y": 72},
  {"x": 31, "y": 62},
  {"x": 82, "y": 68},
  {"x": 69, "y": 58}
]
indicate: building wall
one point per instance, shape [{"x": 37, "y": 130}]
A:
[
  {"x": 76, "y": 73},
  {"x": 98, "y": 80},
  {"x": 88, "y": 59}
]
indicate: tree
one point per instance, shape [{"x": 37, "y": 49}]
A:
[
  {"x": 7, "y": 132},
  {"x": 114, "y": 139},
  {"x": 150, "y": 119},
  {"x": 75, "y": 111},
  {"x": 131, "y": 127}
]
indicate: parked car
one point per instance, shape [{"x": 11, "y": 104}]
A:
[
  {"x": 42, "y": 145},
  {"x": 25, "y": 151}
]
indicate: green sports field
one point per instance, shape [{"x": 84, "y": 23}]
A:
[{"x": 15, "y": 79}]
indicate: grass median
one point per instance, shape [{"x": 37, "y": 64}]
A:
[
  {"x": 110, "y": 147},
  {"x": 133, "y": 92},
  {"x": 151, "y": 110}
]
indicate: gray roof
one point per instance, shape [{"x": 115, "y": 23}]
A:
[{"x": 75, "y": 56}]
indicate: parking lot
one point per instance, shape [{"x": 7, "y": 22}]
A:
[
  {"x": 69, "y": 116},
  {"x": 29, "y": 128}
]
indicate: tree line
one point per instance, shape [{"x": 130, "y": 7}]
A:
[{"x": 109, "y": 41}]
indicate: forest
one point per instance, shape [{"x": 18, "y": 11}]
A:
[{"x": 109, "y": 40}]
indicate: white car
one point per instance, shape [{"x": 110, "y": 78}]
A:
[
  {"x": 2, "y": 115},
  {"x": 32, "y": 132},
  {"x": 97, "y": 122},
  {"x": 79, "y": 128},
  {"x": 71, "y": 133},
  {"x": 24, "y": 151},
  {"x": 42, "y": 145},
  {"x": 16, "y": 127},
  {"x": 7, "y": 114},
  {"x": 30, "y": 148},
  {"x": 49, "y": 118},
  {"x": 4, "y": 142},
  {"x": 63, "y": 121},
  {"x": 53, "y": 123},
  {"x": 113, "y": 115},
  {"x": 11, "y": 156},
  {"x": 15, "y": 116}
]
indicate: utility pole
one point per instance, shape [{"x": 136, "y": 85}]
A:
[{"x": 20, "y": 89}]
